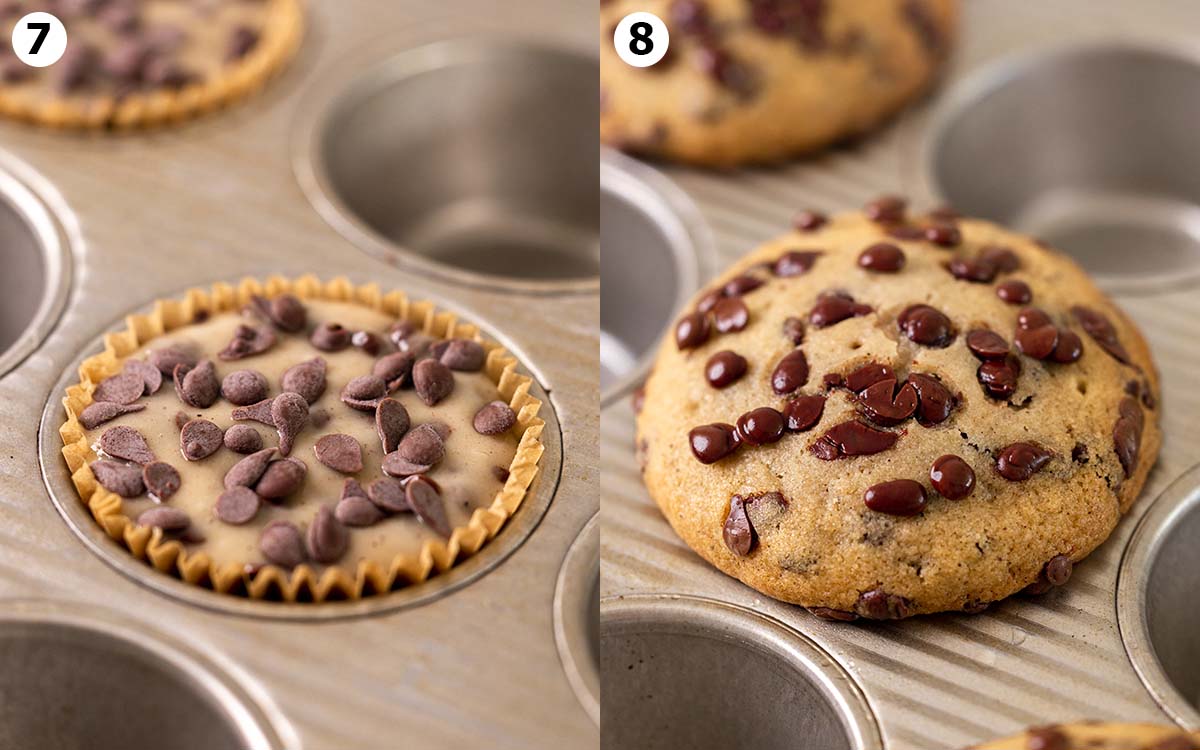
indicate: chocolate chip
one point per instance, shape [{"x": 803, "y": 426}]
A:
[
  {"x": 1014, "y": 292},
  {"x": 339, "y": 452},
  {"x": 868, "y": 375},
  {"x": 710, "y": 300},
  {"x": 391, "y": 422},
  {"x": 167, "y": 519},
  {"x": 388, "y": 494},
  {"x": 976, "y": 270},
  {"x": 1058, "y": 570},
  {"x": 1102, "y": 331},
  {"x": 793, "y": 330},
  {"x": 244, "y": 387},
  {"x": 1127, "y": 434},
  {"x": 691, "y": 16},
  {"x": 719, "y": 65},
  {"x": 887, "y": 209},
  {"x": 281, "y": 479},
  {"x": 367, "y": 341},
  {"x": 396, "y": 465},
  {"x": 163, "y": 72},
  {"x": 803, "y": 412},
  {"x": 199, "y": 439},
  {"x": 1038, "y": 343},
  {"x": 944, "y": 213},
  {"x": 242, "y": 438},
  {"x": 432, "y": 380},
  {"x": 123, "y": 388},
  {"x": 126, "y": 443},
  {"x": 999, "y": 376},
  {"x": 103, "y": 411},
  {"x": 327, "y": 538},
  {"x": 1032, "y": 317},
  {"x": 197, "y": 386},
  {"x": 877, "y": 604},
  {"x": 899, "y": 497},
  {"x": 795, "y": 263},
  {"x": 494, "y": 418},
  {"x": 927, "y": 326},
  {"x": 425, "y": 501},
  {"x": 181, "y": 418},
  {"x": 738, "y": 532},
  {"x": 730, "y": 314},
  {"x": 1069, "y": 348},
  {"x": 237, "y": 506},
  {"x": 422, "y": 445},
  {"x": 358, "y": 512},
  {"x": 364, "y": 392},
  {"x": 260, "y": 412},
  {"x": 281, "y": 544},
  {"x": 739, "y": 285},
  {"x": 152, "y": 378},
  {"x": 724, "y": 368},
  {"x": 885, "y": 404},
  {"x": 935, "y": 401},
  {"x": 712, "y": 442},
  {"x": 986, "y": 344},
  {"x": 306, "y": 378},
  {"x": 691, "y": 331},
  {"x": 852, "y": 438},
  {"x": 464, "y": 355},
  {"x": 791, "y": 373},
  {"x": 952, "y": 477},
  {"x": 943, "y": 234},
  {"x": 906, "y": 232},
  {"x": 834, "y": 307},
  {"x": 249, "y": 470},
  {"x": 882, "y": 257},
  {"x": 1003, "y": 258},
  {"x": 1019, "y": 461},
  {"x": 248, "y": 341},
  {"x": 124, "y": 480},
  {"x": 832, "y": 615},
  {"x": 241, "y": 40},
  {"x": 500, "y": 473},
  {"x": 809, "y": 221},
  {"x": 330, "y": 337},
  {"x": 760, "y": 426},
  {"x": 289, "y": 412},
  {"x": 1046, "y": 738}
]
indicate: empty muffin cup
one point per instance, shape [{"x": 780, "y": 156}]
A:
[
  {"x": 695, "y": 673},
  {"x": 1157, "y": 590},
  {"x": 36, "y": 261},
  {"x": 656, "y": 252},
  {"x": 469, "y": 158},
  {"x": 577, "y": 616},
  {"x": 77, "y": 677},
  {"x": 1091, "y": 148}
]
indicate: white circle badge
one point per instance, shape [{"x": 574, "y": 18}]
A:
[
  {"x": 641, "y": 39},
  {"x": 39, "y": 39}
]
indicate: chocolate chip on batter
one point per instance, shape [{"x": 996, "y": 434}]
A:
[
  {"x": 709, "y": 300},
  {"x": 388, "y": 494},
  {"x": 330, "y": 337},
  {"x": 868, "y": 375},
  {"x": 287, "y": 312},
  {"x": 422, "y": 445},
  {"x": 1058, "y": 570},
  {"x": 124, "y": 480},
  {"x": 899, "y": 497},
  {"x": 123, "y": 388},
  {"x": 358, "y": 511},
  {"x": 426, "y": 502},
  {"x": 152, "y": 378},
  {"x": 241, "y": 40},
  {"x": 795, "y": 263},
  {"x": 197, "y": 386},
  {"x": 852, "y": 438},
  {"x": 306, "y": 378},
  {"x": 1030, "y": 318},
  {"x": 730, "y": 315},
  {"x": 501, "y": 474},
  {"x": 1038, "y": 343},
  {"x": 367, "y": 341},
  {"x": 199, "y": 439},
  {"x": 906, "y": 232},
  {"x": 248, "y": 341},
  {"x": 281, "y": 543},
  {"x": 391, "y": 422},
  {"x": 952, "y": 477},
  {"x": 464, "y": 355},
  {"x": 691, "y": 331},
  {"x": 327, "y": 538},
  {"x": 976, "y": 270},
  {"x": 690, "y": 16},
  {"x": 834, "y": 307},
  {"x": 181, "y": 418},
  {"x": 103, "y": 411},
  {"x": 760, "y": 426},
  {"x": 999, "y": 376},
  {"x": 395, "y": 369},
  {"x": 927, "y": 326},
  {"x": 168, "y": 357},
  {"x": 494, "y": 418},
  {"x": 260, "y": 412},
  {"x": 1014, "y": 292},
  {"x": 985, "y": 344},
  {"x": 364, "y": 392},
  {"x": 1002, "y": 258},
  {"x": 1069, "y": 348},
  {"x": 935, "y": 401},
  {"x": 791, "y": 373},
  {"x": 943, "y": 234},
  {"x": 249, "y": 470},
  {"x": 887, "y": 209},
  {"x": 809, "y": 221},
  {"x": 888, "y": 403},
  {"x": 289, "y": 413},
  {"x": 339, "y": 452},
  {"x": 126, "y": 443},
  {"x": 877, "y": 604},
  {"x": 432, "y": 380},
  {"x": 712, "y": 442},
  {"x": 724, "y": 368},
  {"x": 739, "y": 285},
  {"x": 1046, "y": 738},
  {"x": 281, "y": 479},
  {"x": 1102, "y": 332},
  {"x": 244, "y": 387},
  {"x": 1021, "y": 460},
  {"x": 242, "y": 438},
  {"x": 738, "y": 531},
  {"x": 395, "y": 465},
  {"x": 793, "y": 330},
  {"x": 882, "y": 257},
  {"x": 1127, "y": 433},
  {"x": 165, "y": 518},
  {"x": 803, "y": 412},
  {"x": 236, "y": 506}
]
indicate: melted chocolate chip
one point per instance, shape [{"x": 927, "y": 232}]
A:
[
  {"x": 1032, "y": 317},
  {"x": 1102, "y": 332},
  {"x": 952, "y": 477},
  {"x": 712, "y": 442},
  {"x": 1014, "y": 292},
  {"x": 885, "y": 404},
  {"x": 730, "y": 315},
  {"x": 868, "y": 375},
  {"x": 1003, "y": 258},
  {"x": 887, "y": 209},
  {"x": 795, "y": 263},
  {"x": 738, "y": 532},
  {"x": 906, "y": 232},
  {"x": 760, "y": 426},
  {"x": 882, "y": 257},
  {"x": 809, "y": 221},
  {"x": 899, "y": 497},
  {"x": 691, "y": 331},
  {"x": 834, "y": 307},
  {"x": 852, "y": 438},
  {"x": 927, "y": 326},
  {"x": 791, "y": 373},
  {"x": 976, "y": 270},
  {"x": 803, "y": 412},
  {"x": 935, "y": 401},
  {"x": 793, "y": 330},
  {"x": 986, "y": 344},
  {"x": 739, "y": 285},
  {"x": 1020, "y": 461},
  {"x": 999, "y": 377},
  {"x": 1069, "y": 348},
  {"x": 877, "y": 604},
  {"x": 1038, "y": 343},
  {"x": 943, "y": 234},
  {"x": 724, "y": 368},
  {"x": 1127, "y": 434}
]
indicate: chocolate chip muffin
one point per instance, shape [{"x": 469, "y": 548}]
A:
[
  {"x": 147, "y": 62},
  {"x": 1098, "y": 736},
  {"x": 301, "y": 440},
  {"x": 751, "y": 81},
  {"x": 881, "y": 415}
]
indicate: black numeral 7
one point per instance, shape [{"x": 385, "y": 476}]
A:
[{"x": 43, "y": 29}]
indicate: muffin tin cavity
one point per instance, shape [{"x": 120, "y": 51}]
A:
[
  {"x": 76, "y": 677},
  {"x": 1089, "y": 148},
  {"x": 1156, "y": 593},
  {"x": 577, "y": 616},
  {"x": 689, "y": 672},
  {"x": 36, "y": 277},
  {"x": 471, "y": 159},
  {"x": 656, "y": 252}
]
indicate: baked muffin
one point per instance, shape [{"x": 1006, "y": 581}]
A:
[
  {"x": 301, "y": 440},
  {"x": 754, "y": 81},
  {"x": 1098, "y": 736},
  {"x": 880, "y": 416}
]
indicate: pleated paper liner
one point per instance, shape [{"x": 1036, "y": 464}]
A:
[
  {"x": 277, "y": 44},
  {"x": 303, "y": 583}
]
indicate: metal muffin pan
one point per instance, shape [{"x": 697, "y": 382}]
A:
[
  {"x": 465, "y": 661},
  {"x": 425, "y": 160},
  {"x": 577, "y": 616},
  {"x": 948, "y": 681}
]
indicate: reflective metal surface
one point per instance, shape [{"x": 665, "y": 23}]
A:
[{"x": 577, "y": 616}]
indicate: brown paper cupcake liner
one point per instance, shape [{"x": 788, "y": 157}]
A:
[
  {"x": 303, "y": 583},
  {"x": 280, "y": 38}
]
